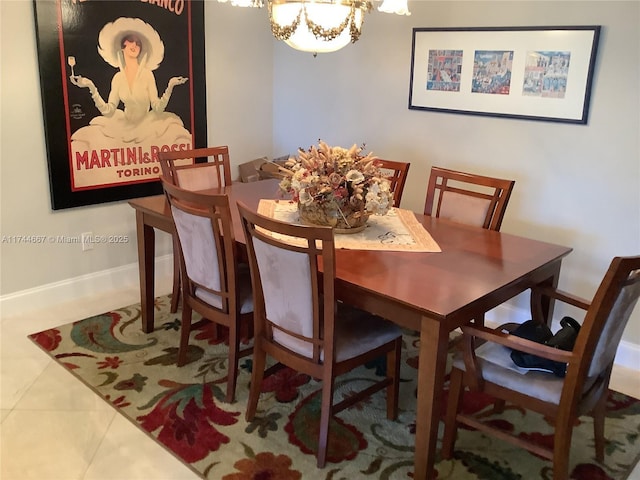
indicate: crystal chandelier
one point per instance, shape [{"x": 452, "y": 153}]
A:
[{"x": 320, "y": 26}]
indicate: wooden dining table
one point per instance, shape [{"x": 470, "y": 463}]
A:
[{"x": 433, "y": 293}]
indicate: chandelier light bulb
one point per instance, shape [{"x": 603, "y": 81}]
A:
[{"x": 399, "y": 7}]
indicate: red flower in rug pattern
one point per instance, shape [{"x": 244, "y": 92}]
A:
[
  {"x": 212, "y": 333},
  {"x": 119, "y": 402},
  {"x": 590, "y": 471},
  {"x": 413, "y": 361},
  {"x": 215, "y": 334},
  {"x": 48, "y": 340},
  {"x": 186, "y": 416},
  {"x": 472, "y": 402},
  {"x": 264, "y": 466},
  {"x": 618, "y": 404},
  {"x": 285, "y": 384},
  {"x": 110, "y": 362}
]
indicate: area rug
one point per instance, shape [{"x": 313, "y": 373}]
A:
[{"x": 183, "y": 410}]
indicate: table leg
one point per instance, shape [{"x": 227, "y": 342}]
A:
[
  {"x": 541, "y": 305},
  {"x": 434, "y": 341},
  {"x": 146, "y": 268}
]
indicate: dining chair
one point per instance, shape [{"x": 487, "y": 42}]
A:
[
  {"x": 467, "y": 198},
  {"x": 193, "y": 169},
  {"x": 562, "y": 399},
  {"x": 397, "y": 173},
  {"x": 204, "y": 168},
  {"x": 213, "y": 284},
  {"x": 298, "y": 322}
]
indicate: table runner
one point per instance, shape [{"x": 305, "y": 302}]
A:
[{"x": 397, "y": 231}]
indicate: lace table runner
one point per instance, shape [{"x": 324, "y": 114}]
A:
[{"x": 397, "y": 231}]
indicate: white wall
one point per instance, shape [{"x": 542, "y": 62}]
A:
[{"x": 576, "y": 185}]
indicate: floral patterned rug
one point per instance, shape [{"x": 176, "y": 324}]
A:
[{"x": 182, "y": 409}]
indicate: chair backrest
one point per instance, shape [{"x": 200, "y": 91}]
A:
[
  {"x": 606, "y": 319},
  {"x": 289, "y": 310},
  {"x": 207, "y": 245},
  {"x": 467, "y": 198},
  {"x": 397, "y": 173},
  {"x": 180, "y": 167}
]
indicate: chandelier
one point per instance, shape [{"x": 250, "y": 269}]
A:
[{"x": 320, "y": 26}]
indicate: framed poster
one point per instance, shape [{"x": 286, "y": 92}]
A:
[
  {"x": 120, "y": 81},
  {"x": 536, "y": 73}
]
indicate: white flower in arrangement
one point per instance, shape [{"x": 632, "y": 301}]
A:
[
  {"x": 377, "y": 202},
  {"x": 354, "y": 176},
  {"x": 305, "y": 197}
]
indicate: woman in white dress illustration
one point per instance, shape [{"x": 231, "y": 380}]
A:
[{"x": 135, "y": 48}]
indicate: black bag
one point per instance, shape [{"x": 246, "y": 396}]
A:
[{"x": 564, "y": 339}]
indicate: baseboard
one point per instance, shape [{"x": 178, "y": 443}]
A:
[
  {"x": 79, "y": 288},
  {"x": 99, "y": 283}
]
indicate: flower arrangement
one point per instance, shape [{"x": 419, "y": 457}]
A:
[{"x": 336, "y": 186}]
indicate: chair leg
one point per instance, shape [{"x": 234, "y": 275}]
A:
[
  {"x": 232, "y": 370},
  {"x": 325, "y": 417},
  {"x": 257, "y": 374},
  {"x": 498, "y": 406},
  {"x": 456, "y": 390},
  {"x": 561, "y": 449},
  {"x": 175, "y": 294},
  {"x": 185, "y": 331},
  {"x": 217, "y": 331},
  {"x": 393, "y": 371},
  {"x": 599, "y": 413}
]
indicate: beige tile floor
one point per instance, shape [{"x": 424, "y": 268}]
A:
[{"x": 54, "y": 428}]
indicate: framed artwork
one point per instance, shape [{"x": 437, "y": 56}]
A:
[
  {"x": 535, "y": 73},
  {"x": 120, "y": 81}
]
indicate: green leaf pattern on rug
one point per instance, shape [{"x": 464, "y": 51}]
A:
[
  {"x": 96, "y": 334},
  {"x": 388, "y": 473},
  {"x": 345, "y": 441},
  {"x": 137, "y": 383},
  {"x": 110, "y": 377},
  {"x": 268, "y": 423},
  {"x": 170, "y": 356},
  {"x": 486, "y": 469}
]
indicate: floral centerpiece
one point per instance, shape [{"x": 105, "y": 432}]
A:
[{"x": 336, "y": 186}]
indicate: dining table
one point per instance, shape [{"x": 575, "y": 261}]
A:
[{"x": 430, "y": 292}]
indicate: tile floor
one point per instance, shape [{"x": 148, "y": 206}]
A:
[{"x": 55, "y": 428}]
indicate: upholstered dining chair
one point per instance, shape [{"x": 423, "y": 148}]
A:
[
  {"x": 467, "y": 198},
  {"x": 562, "y": 399},
  {"x": 194, "y": 174},
  {"x": 298, "y": 322},
  {"x": 397, "y": 173},
  {"x": 213, "y": 284},
  {"x": 197, "y": 174}
]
